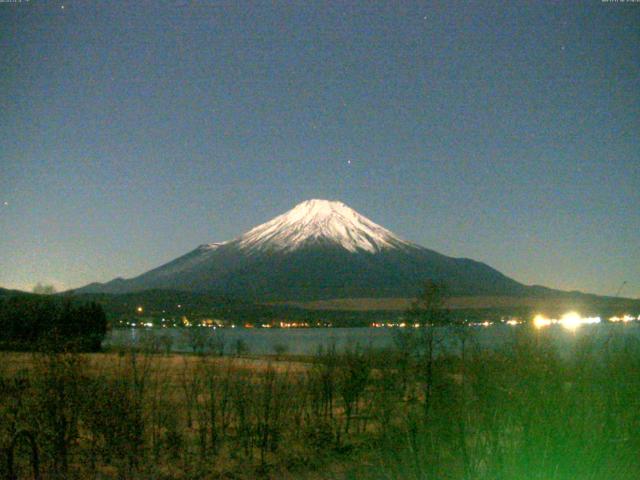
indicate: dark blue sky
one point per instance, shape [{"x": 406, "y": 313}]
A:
[{"x": 508, "y": 133}]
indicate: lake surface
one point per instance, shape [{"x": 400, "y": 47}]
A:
[{"x": 305, "y": 341}]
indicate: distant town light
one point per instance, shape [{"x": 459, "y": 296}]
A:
[
  {"x": 571, "y": 320},
  {"x": 540, "y": 321},
  {"x": 139, "y": 310}
]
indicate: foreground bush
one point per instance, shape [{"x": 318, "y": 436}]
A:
[{"x": 34, "y": 322}]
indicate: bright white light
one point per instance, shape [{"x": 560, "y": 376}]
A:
[
  {"x": 571, "y": 320},
  {"x": 540, "y": 321}
]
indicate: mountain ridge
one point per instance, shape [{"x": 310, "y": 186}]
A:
[{"x": 319, "y": 249}]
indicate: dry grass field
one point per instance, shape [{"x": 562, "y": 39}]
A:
[{"x": 172, "y": 364}]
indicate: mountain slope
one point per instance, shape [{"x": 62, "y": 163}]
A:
[{"x": 318, "y": 250}]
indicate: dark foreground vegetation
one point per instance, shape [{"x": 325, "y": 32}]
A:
[
  {"x": 523, "y": 412},
  {"x": 37, "y": 322}
]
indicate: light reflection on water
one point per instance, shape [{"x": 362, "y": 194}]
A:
[{"x": 305, "y": 341}]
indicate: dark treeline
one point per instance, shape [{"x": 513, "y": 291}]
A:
[
  {"x": 169, "y": 304},
  {"x": 30, "y": 322}
]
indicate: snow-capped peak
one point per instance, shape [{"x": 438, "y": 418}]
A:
[{"x": 323, "y": 221}]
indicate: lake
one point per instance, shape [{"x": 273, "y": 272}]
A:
[{"x": 305, "y": 341}]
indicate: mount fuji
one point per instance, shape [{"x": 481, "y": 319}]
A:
[{"x": 318, "y": 250}]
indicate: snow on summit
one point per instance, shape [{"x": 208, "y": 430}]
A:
[{"x": 324, "y": 221}]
